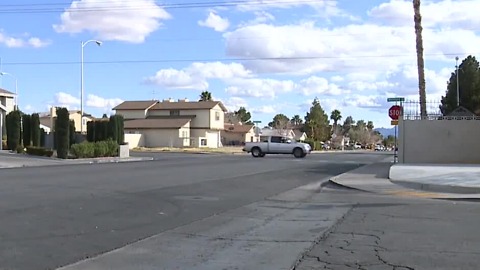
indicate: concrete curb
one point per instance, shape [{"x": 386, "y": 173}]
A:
[{"x": 437, "y": 187}]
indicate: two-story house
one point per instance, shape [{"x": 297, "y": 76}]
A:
[
  {"x": 7, "y": 104},
  {"x": 47, "y": 119},
  {"x": 170, "y": 123}
]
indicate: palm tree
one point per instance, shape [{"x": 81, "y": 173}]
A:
[
  {"x": 336, "y": 116},
  {"x": 205, "y": 96},
  {"x": 420, "y": 61},
  {"x": 296, "y": 120}
]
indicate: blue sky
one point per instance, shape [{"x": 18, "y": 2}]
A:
[{"x": 271, "y": 56}]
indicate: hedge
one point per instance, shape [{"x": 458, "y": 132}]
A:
[
  {"x": 13, "y": 129},
  {"x": 27, "y": 129},
  {"x": 36, "y": 132},
  {"x": 62, "y": 130},
  {"x": 104, "y": 129},
  {"x": 39, "y": 151},
  {"x": 315, "y": 145},
  {"x": 107, "y": 148}
]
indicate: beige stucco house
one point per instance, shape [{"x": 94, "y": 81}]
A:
[
  {"x": 48, "y": 119},
  {"x": 238, "y": 134},
  {"x": 170, "y": 123},
  {"x": 7, "y": 104}
]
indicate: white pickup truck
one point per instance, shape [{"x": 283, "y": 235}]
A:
[{"x": 277, "y": 145}]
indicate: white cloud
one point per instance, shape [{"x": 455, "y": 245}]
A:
[
  {"x": 215, "y": 22},
  {"x": 104, "y": 103},
  {"x": 195, "y": 76},
  {"x": 266, "y": 109},
  {"x": 234, "y": 103},
  {"x": 305, "y": 48},
  {"x": 71, "y": 102},
  {"x": 14, "y": 42},
  {"x": 317, "y": 85},
  {"x": 458, "y": 13},
  {"x": 62, "y": 98},
  {"x": 259, "y": 88},
  {"x": 129, "y": 21}
]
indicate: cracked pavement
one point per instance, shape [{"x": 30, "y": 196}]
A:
[{"x": 392, "y": 233}]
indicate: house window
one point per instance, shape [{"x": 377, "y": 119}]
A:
[
  {"x": 203, "y": 142},
  {"x": 174, "y": 112},
  {"x": 217, "y": 116}
]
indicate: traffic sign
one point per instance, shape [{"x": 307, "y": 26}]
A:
[
  {"x": 394, "y": 112},
  {"x": 394, "y": 122},
  {"x": 396, "y": 99}
]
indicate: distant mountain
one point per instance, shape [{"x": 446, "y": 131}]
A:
[{"x": 386, "y": 131}]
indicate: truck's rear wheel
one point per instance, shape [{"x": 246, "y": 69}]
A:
[
  {"x": 298, "y": 153},
  {"x": 256, "y": 152}
]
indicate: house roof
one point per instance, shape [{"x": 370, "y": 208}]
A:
[
  {"x": 238, "y": 128},
  {"x": 3, "y": 91},
  {"x": 188, "y": 105},
  {"x": 156, "y": 123},
  {"x": 135, "y": 105}
]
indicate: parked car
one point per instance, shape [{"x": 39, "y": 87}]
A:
[{"x": 277, "y": 145}]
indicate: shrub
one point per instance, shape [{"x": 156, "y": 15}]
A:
[
  {"x": 112, "y": 148},
  {"x": 83, "y": 150},
  {"x": 62, "y": 128},
  {"x": 20, "y": 149},
  {"x": 35, "y": 129},
  {"x": 101, "y": 149},
  {"x": 39, "y": 151},
  {"x": 27, "y": 130},
  {"x": 13, "y": 129}
]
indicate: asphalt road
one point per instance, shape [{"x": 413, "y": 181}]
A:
[{"x": 58, "y": 215}]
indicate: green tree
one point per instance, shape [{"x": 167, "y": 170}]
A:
[
  {"x": 317, "y": 123},
  {"x": 62, "y": 130},
  {"x": 36, "y": 132},
  {"x": 370, "y": 126},
  {"x": 243, "y": 116},
  {"x": 120, "y": 129},
  {"x": 296, "y": 120},
  {"x": 91, "y": 131},
  {"x": 360, "y": 125},
  {"x": 113, "y": 128},
  {"x": 469, "y": 87},
  {"x": 13, "y": 129},
  {"x": 26, "y": 130},
  {"x": 417, "y": 18},
  {"x": 335, "y": 116},
  {"x": 280, "y": 121},
  {"x": 348, "y": 124},
  {"x": 389, "y": 141},
  {"x": 205, "y": 96}
]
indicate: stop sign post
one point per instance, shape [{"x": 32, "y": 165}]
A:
[{"x": 394, "y": 112}]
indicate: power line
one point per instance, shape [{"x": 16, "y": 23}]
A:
[
  {"x": 224, "y": 59},
  {"x": 52, "y": 8}
]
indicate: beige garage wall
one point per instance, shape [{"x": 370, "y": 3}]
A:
[
  {"x": 439, "y": 141},
  {"x": 135, "y": 140}
]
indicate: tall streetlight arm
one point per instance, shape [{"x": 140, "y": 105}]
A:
[{"x": 99, "y": 43}]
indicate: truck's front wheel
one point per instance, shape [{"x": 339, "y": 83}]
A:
[{"x": 256, "y": 152}]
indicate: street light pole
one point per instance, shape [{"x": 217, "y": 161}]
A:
[
  {"x": 16, "y": 87},
  {"x": 458, "y": 85},
  {"x": 99, "y": 43}
]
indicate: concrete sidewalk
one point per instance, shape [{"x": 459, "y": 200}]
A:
[
  {"x": 375, "y": 178},
  {"x": 14, "y": 160},
  {"x": 455, "y": 178}
]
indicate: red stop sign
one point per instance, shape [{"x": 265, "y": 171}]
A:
[{"x": 394, "y": 112}]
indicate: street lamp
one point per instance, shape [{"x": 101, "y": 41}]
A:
[
  {"x": 99, "y": 43},
  {"x": 16, "y": 87},
  {"x": 458, "y": 86}
]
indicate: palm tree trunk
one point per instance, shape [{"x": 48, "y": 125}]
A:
[{"x": 420, "y": 60}]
